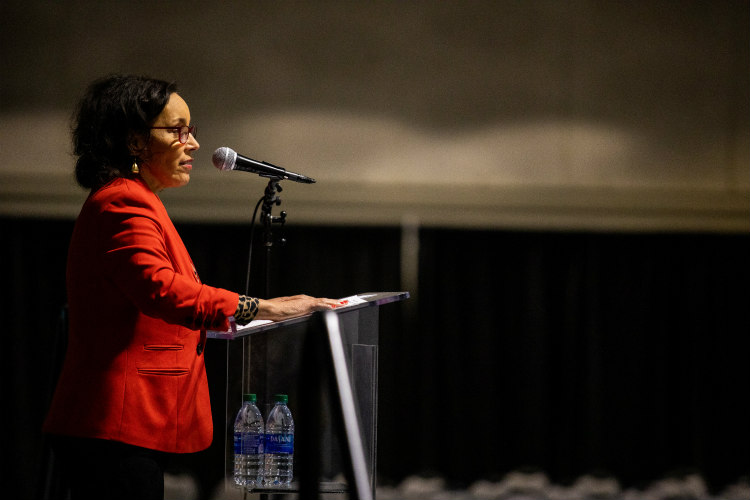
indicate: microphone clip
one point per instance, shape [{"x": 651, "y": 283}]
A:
[
  {"x": 281, "y": 219},
  {"x": 270, "y": 198}
]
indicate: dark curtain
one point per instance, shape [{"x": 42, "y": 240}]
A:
[
  {"x": 567, "y": 352},
  {"x": 572, "y": 353}
]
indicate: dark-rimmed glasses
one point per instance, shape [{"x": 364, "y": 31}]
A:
[{"x": 183, "y": 132}]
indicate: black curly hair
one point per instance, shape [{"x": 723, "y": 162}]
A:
[{"x": 113, "y": 111}]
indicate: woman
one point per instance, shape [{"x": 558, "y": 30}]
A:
[{"x": 133, "y": 386}]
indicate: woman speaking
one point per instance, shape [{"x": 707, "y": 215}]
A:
[{"x": 133, "y": 386}]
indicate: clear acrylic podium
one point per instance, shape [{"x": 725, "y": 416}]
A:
[{"x": 295, "y": 357}]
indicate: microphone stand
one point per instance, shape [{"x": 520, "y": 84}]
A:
[{"x": 270, "y": 199}]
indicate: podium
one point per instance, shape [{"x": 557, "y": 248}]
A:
[{"x": 335, "y": 424}]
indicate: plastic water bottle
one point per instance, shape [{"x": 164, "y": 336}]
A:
[
  {"x": 248, "y": 444},
  {"x": 279, "y": 444}
]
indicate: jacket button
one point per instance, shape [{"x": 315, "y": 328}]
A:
[{"x": 199, "y": 349}]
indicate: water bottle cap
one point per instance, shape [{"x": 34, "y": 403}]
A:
[
  {"x": 249, "y": 397},
  {"x": 281, "y": 398}
]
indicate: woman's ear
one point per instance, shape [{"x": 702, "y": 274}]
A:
[{"x": 136, "y": 143}]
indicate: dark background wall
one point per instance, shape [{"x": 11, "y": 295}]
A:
[
  {"x": 539, "y": 114},
  {"x": 562, "y": 186}
]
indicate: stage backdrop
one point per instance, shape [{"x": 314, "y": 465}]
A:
[{"x": 570, "y": 353}]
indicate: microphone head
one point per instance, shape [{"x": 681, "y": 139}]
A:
[{"x": 224, "y": 158}]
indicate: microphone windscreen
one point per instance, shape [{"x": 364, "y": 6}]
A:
[{"x": 224, "y": 158}]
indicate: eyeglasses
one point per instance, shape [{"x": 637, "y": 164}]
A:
[{"x": 183, "y": 131}]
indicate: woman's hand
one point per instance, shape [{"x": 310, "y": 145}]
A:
[{"x": 290, "y": 307}]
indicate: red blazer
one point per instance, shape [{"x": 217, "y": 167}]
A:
[{"x": 134, "y": 370}]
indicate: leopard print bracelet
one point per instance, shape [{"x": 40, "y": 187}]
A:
[{"x": 247, "y": 309}]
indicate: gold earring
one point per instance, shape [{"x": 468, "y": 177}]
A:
[{"x": 135, "y": 168}]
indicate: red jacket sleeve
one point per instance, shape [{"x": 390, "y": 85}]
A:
[{"x": 146, "y": 259}]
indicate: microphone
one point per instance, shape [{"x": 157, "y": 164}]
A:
[{"x": 227, "y": 159}]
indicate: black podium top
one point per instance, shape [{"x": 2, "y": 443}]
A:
[{"x": 358, "y": 301}]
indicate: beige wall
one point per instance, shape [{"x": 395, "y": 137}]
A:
[{"x": 537, "y": 114}]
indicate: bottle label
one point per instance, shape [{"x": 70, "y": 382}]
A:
[
  {"x": 280, "y": 443},
  {"x": 249, "y": 443}
]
